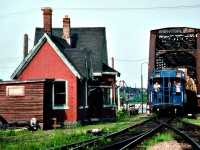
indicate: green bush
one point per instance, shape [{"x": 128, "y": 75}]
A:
[{"x": 120, "y": 114}]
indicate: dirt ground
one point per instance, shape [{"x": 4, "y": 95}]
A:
[{"x": 171, "y": 145}]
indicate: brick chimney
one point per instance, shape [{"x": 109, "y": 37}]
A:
[
  {"x": 47, "y": 18},
  {"x": 66, "y": 29}
]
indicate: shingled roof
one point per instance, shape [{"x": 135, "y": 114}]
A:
[
  {"x": 84, "y": 50},
  {"x": 82, "y": 39}
]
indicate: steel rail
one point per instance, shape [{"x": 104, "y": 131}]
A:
[
  {"x": 127, "y": 141},
  {"x": 191, "y": 130},
  {"x": 138, "y": 140},
  {"x": 82, "y": 144},
  {"x": 189, "y": 139},
  {"x": 119, "y": 144},
  {"x": 165, "y": 120}
]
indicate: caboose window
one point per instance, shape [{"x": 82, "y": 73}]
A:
[
  {"x": 157, "y": 74},
  {"x": 178, "y": 74},
  {"x": 178, "y": 86},
  {"x": 60, "y": 95}
]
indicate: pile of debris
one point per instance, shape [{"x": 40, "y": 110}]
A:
[{"x": 31, "y": 126}]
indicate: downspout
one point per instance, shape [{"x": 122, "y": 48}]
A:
[
  {"x": 86, "y": 94},
  {"x": 113, "y": 86}
]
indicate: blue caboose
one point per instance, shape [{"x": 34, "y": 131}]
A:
[{"x": 167, "y": 90}]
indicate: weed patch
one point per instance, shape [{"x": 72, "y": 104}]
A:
[
  {"x": 160, "y": 137},
  {"x": 39, "y": 140},
  {"x": 193, "y": 121}
]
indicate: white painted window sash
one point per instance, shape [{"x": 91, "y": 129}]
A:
[{"x": 65, "y": 106}]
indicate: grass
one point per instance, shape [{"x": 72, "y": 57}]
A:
[
  {"x": 166, "y": 136},
  {"x": 193, "y": 121},
  {"x": 39, "y": 140},
  {"x": 25, "y": 140}
]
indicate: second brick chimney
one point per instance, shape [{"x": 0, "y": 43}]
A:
[
  {"x": 66, "y": 29},
  {"x": 47, "y": 18}
]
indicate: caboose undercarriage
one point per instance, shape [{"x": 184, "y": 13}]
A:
[{"x": 168, "y": 109}]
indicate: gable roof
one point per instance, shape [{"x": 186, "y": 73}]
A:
[
  {"x": 109, "y": 71},
  {"x": 34, "y": 51},
  {"x": 86, "y": 56},
  {"x": 92, "y": 39}
]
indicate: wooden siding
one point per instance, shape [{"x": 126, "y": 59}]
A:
[{"x": 22, "y": 108}]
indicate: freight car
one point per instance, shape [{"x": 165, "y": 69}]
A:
[{"x": 168, "y": 93}]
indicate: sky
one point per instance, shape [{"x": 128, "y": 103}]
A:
[{"x": 128, "y": 24}]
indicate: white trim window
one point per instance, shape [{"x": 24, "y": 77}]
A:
[
  {"x": 107, "y": 96},
  {"x": 60, "y": 95}
]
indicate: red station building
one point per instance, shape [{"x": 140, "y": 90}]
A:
[{"x": 65, "y": 76}]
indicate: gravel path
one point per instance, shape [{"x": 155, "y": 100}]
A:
[{"x": 171, "y": 145}]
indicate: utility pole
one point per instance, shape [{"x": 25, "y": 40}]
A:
[{"x": 142, "y": 83}]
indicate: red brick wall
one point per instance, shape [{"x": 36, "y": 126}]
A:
[{"x": 47, "y": 64}]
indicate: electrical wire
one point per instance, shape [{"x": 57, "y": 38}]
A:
[
  {"x": 134, "y": 60},
  {"x": 125, "y": 60},
  {"x": 25, "y": 12},
  {"x": 18, "y": 13},
  {"x": 7, "y": 67},
  {"x": 10, "y": 60},
  {"x": 132, "y": 8}
]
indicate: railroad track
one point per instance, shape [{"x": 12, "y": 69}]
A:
[
  {"x": 123, "y": 134},
  {"x": 191, "y": 132},
  {"x": 134, "y": 133},
  {"x": 131, "y": 137},
  {"x": 144, "y": 130},
  {"x": 192, "y": 139}
]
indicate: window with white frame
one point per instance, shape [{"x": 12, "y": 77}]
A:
[
  {"x": 106, "y": 96},
  {"x": 60, "y": 96}
]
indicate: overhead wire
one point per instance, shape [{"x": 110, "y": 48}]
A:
[
  {"x": 25, "y": 12},
  {"x": 131, "y": 8},
  {"x": 20, "y": 13},
  {"x": 7, "y": 67},
  {"x": 125, "y": 60},
  {"x": 10, "y": 60},
  {"x": 30, "y": 40},
  {"x": 134, "y": 60}
]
